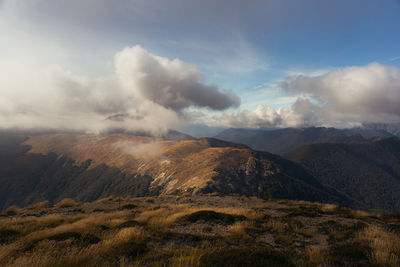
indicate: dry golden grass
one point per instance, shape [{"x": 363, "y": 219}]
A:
[
  {"x": 360, "y": 213},
  {"x": 30, "y": 224},
  {"x": 247, "y": 212},
  {"x": 276, "y": 225},
  {"x": 39, "y": 205},
  {"x": 48, "y": 252},
  {"x": 105, "y": 200},
  {"x": 329, "y": 207},
  {"x": 297, "y": 228},
  {"x": 167, "y": 214},
  {"x": 68, "y": 238},
  {"x": 316, "y": 255},
  {"x": 113, "y": 239},
  {"x": 385, "y": 245},
  {"x": 240, "y": 228},
  {"x": 107, "y": 219},
  {"x": 66, "y": 203},
  {"x": 183, "y": 258}
]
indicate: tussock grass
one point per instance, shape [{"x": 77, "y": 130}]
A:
[
  {"x": 385, "y": 245},
  {"x": 12, "y": 210},
  {"x": 276, "y": 225},
  {"x": 316, "y": 254},
  {"x": 66, "y": 203},
  {"x": 105, "y": 200},
  {"x": 329, "y": 208},
  {"x": 202, "y": 232},
  {"x": 39, "y": 205},
  {"x": 240, "y": 228},
  {"x": 168, "y": 214}
]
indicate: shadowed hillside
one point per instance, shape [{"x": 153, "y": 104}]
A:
[{"x": 367, "y": 172}]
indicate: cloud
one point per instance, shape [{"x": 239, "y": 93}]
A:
[
  {"x": 141, "y": 149},
  {"x": 145, "y": 93},
  {"x": 352, "y": 94},
  {"x": 173, "y": 84},
  {"x": 262, "y": 116},
  {"x": 341, "y": 98}
]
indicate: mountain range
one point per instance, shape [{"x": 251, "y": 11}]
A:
[
  {"x": 281, "y": 141},
  {"x": 87, "y": 167},
  {"x": 316, "y": 164}
]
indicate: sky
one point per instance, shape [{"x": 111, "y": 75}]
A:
[{"x": 198, "y": 65}]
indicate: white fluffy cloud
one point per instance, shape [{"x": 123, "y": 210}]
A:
[
  {"x": 352, "y": 95},
  {"x": 146, "y": 92},
  {"x": 172, "y": 84},
  {"x": 342, "y": 98}
]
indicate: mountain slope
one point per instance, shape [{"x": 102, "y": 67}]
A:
[
  {"x": 281, "y": 141},
  {"x": 86, "y": 167},
  {"x": 368, "y": 172},
  {"x": 391, "y": 128}
]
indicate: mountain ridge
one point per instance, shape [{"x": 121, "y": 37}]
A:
[
  {"x": 87, "y": 167},
  {"x": 281, "y": 141},
  {"x": 368, "y": 171}
]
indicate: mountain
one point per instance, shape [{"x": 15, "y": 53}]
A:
[
  {"x": 391, "y": 128},
  {"x": 367, "y": 172},
  {"x": 281, "y": 141},
  {"x": 87, "y": 167},
  {"x": 168, "y": 135}
]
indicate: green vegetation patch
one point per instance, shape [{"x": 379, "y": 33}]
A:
[{"x": 211, "y": 216}]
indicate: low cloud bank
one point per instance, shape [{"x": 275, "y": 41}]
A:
[
  {"x": 342, "y": 98},
  {"x": 146, "y": 93},
  {"x": 138, "y": 149}
]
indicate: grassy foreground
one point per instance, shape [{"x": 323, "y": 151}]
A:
[{"x": 197, "y": 231}]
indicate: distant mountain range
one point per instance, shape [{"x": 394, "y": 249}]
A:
[
  {"x": 281, "y": 141},
  {"x": 88, "y": 167},
  {"x": 391, "y": 128}
]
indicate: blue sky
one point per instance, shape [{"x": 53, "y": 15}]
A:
[{"x": 247, "y": 47}]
